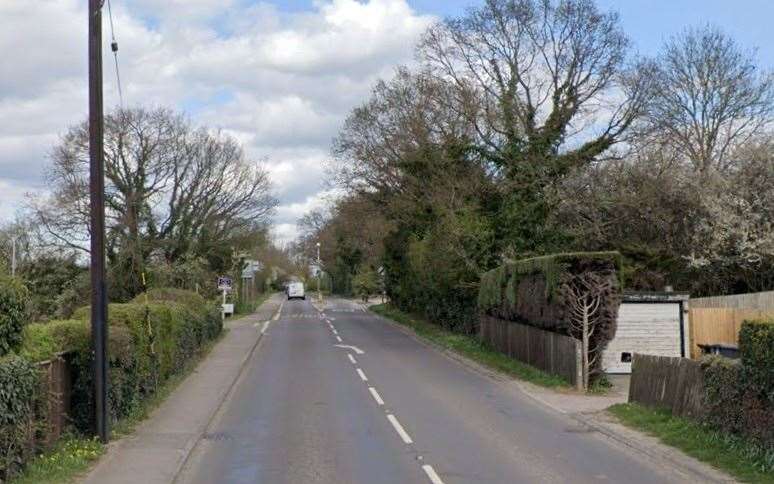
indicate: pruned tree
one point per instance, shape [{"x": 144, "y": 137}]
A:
[
  {"x": 710, "y": 98},
  {"x": 585, "y": 295}
]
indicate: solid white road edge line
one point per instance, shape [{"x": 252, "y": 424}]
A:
[
  {"x": 432, "y": 474},
  {"x": 265, "y": 327},
  {"x": 399, "y": 428},
  {"x": 376, "y": 395},
  {"x": 352, "y": 359},
  {"x": 362, "y": 375}
]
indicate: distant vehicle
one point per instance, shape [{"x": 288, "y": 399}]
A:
[{"x": 296, "y": 290}]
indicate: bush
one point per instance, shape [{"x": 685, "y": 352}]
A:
[
  {"x": 739, "y": 395},
  {"x": 756, "y": 345},
  {"x": 147, "y": 344},
  {"x": 14, "y": 309},
  {"x": 18, "y": 383}
]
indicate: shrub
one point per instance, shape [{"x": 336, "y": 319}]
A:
[
  {"x": 739, "y": 395},
  {"x": 14, "y": 309},
  {"x": 756, "y": 345},
  {"x": 147, "y": 343},
  {"x": 18, "y": 383}
]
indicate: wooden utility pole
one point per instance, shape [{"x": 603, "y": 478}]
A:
[{"x": 97, "y": 188}]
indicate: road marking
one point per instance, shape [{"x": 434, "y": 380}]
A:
[
  {"x": 376, "y": 395},
  {"x": 279, "y": 311},
  {"x": 432, "y": 474},
  {"x": 352, "y": 359},
  {"x": 265, "y": 327},
  {"x": 334, "y": 330},
  {"x": 399, "y": 428},
  {"x": 357, "y": 350},
  {"x": 338, "y": 338},
  {"x": 362, "y": 375}
]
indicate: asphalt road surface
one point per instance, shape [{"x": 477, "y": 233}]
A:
[{"x": 389, "y": 410}]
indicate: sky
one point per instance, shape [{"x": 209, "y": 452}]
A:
[{"x": 281, "y": 76}]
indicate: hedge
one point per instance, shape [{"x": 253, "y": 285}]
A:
[
  {"x": 148, "y": 343},
  {"x": 18, "y": 384},
  {"x": 739, "y": 395},
  {"x": 14, "y": 308}
]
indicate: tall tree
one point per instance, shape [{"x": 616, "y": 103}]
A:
[
  {"x": 171, "y": 190},
  {"x": 710, "y": 98},
  {"x": 555, "y": 90}
]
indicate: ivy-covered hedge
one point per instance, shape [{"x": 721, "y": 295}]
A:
[
  {"x": 18, "y": 385},
  {"x": 528, "y": 290},
  {"x": 14, "y": 308},
  {"x": 531, "y": 292},
  {"x": 739, "y": 395},
  {"x": 148, "y": 343}
]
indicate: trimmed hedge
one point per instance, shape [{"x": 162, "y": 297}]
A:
[
  {"x": 18, "y": 384},
  {"x": 148, "y": 343},
  {"x": 739, "y": 395},
  {"x": 530, "y": 291},
  {"x": 14, "y": 309}
]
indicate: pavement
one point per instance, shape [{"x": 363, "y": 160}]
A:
[{"x": 336, "y": 394}]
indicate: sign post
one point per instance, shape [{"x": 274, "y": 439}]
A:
[{"x": 225, "y": 284}]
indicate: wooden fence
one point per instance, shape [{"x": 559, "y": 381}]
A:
[
  {"x": 57, "y": 383},
  {"x": 719, "y": 325},
  {"x": 668, "y": 382},
  {"x": 551, "y": 352},
  {"x": 753, "y": 300}
]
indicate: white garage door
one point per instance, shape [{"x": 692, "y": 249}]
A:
[{"x": 649, "y": 328}]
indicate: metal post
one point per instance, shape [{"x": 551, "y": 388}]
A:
[
  {"x": 97, "y": 188},
  {"x": 319, "y": 273}
]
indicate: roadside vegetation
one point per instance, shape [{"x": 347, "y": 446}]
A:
[
  {"x": 538, "y": 130},
  {"x": 740, "y": 457},
  {"x": 469, "y": 347}
]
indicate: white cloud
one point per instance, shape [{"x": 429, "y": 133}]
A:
[{"x": 282, "y": 82}]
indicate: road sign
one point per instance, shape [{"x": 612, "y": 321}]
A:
[{"x": 225, "y": 283}]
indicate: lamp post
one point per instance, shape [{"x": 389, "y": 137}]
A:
[{"x": 319, "y": 273}]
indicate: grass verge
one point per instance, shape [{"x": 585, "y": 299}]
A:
[
  {"x": 470, "y": 347},
  {"x": 743, "y": 459},
  {"x": 71, "y": 456},
  {"x": 74, "y": 454}
]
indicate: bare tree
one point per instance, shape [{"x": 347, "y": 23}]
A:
[
  {"x": 710, "y": 97},
  {"x": 585, "y": 295},
  {"x": 170, "y": 190},
  {"x": 552, "y": 76}
]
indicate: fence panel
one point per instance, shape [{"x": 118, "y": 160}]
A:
[
  {"x": 668, "y": 382},
  {"x": 719, "y": 325},
  {"x": 553, "y": 353}
]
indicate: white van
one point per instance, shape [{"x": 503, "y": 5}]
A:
[{"x": 296, "y": 290}]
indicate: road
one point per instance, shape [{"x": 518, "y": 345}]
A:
[{"x": 306, "y": 410}]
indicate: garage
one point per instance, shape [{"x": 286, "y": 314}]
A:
[{"x": 648, "y": 323}]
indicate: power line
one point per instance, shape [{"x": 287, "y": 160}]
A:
[{"x": 114, "y": 48}]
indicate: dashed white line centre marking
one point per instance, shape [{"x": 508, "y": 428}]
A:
[
  {"x": 434, "y": 478},
  {"x": 362, "y": 375},
  {"x": 376, "y": 395},
  {"x": 399, "y": 428},
  {"x": 352, "y": 359},
  {"x": 338, "y": 338}
]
